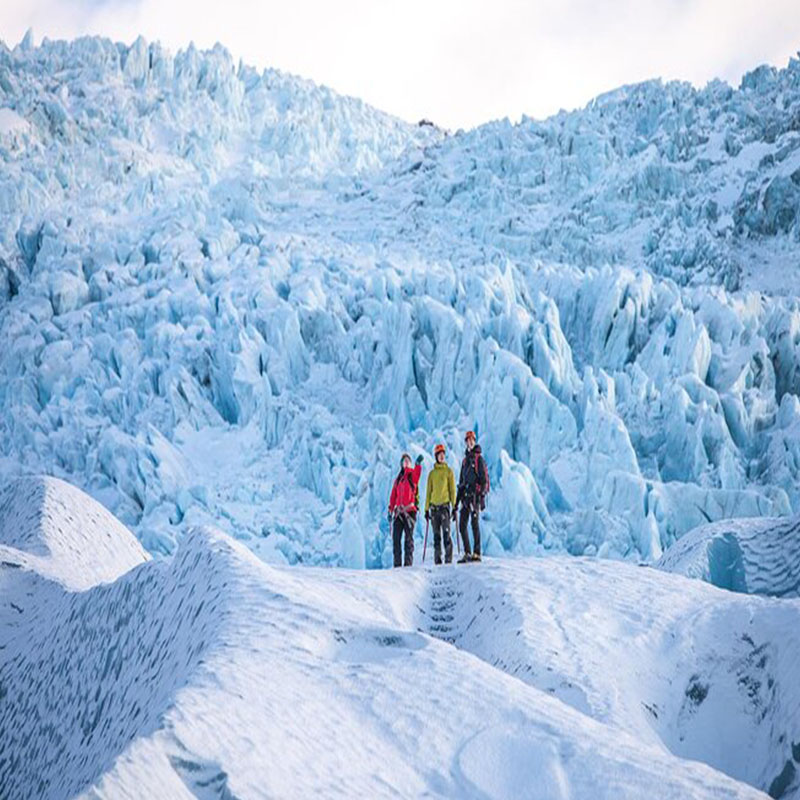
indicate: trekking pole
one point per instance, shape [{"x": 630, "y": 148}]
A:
[{"x": 425, "y": 543}]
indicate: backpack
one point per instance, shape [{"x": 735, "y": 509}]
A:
[{"x": 481, "y": 488}]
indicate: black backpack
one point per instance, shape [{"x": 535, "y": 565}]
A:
[{"x": 481, "y": 488}]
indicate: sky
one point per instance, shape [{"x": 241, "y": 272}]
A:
[{"x": 456, "y": 62}]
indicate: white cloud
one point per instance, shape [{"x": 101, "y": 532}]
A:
[{"x": 456, "y": 62}]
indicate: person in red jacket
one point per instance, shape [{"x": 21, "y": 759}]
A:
[{"x": 403, "y": 505}]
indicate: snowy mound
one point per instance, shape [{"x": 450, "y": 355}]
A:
[
  {"x": 235, "y": 298},
  {"x": 53, "y": 528},
  {"x": 707, "y": 675},
  {"x": 500, "y": 680},
  {"x": 758, "y": 556},
  {"x": 84, "y": 673}
]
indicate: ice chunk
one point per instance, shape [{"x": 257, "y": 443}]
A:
[{"x": 756, "y": 556}]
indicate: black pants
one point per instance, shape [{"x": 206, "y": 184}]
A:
[
  {"x": 440, "y": 521},
  {"x": 403, "y": 528},
  {"x": 470, "y": 509}
]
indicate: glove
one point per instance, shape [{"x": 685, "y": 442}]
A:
[
  {"x": 389, "y": 516},
  {"x": 427, "y": 515},
  {"x": 419, "y": 459}
]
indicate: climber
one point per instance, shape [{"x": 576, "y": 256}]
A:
[
  {"x": 440, "y": 500},
  {"x": 473, "y": 485},
  {"x": 403, "y": 505}
]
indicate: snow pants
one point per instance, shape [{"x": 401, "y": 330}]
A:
[
  {"x": 470, "y": 510},
  {"x": 403, "y": 529},
  {"x": 440, "y": 522}
]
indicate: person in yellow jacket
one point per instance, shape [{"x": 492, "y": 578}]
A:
[{"x": 440, "y": 499}]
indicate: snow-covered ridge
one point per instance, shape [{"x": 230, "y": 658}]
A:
[
  {"x": 698, "y": 672},
  {"x": 758, "y": 556},
  {"x": 166, "y": 681},
  {"x": 83, "y": 674},
  {"x": 52, "y": 527},
  {"x": 235, "y": 299}
]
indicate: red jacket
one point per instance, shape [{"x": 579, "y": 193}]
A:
[{"x": 405, "y": 490}]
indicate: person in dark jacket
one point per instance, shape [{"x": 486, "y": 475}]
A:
[
  {"x": 473, "y": 484},
  {"x": 403, "y": 505}
]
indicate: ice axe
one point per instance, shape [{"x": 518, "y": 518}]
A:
[{"x": 425, "y": 542}]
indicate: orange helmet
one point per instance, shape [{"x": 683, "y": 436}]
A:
[
  {"x": 440, "y": 448},
  {"x": 469, "y": 435}
]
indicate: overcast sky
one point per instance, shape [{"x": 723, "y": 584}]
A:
[{"x": 456, "y": 62}]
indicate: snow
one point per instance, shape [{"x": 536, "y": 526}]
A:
[
  {"x": 11, "y": 123},
  {"x": 503, "y": 679}
]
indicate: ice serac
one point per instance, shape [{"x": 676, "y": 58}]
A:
[
  {"x": 235, "y": 297},
  {"x": 757, "y": 556}
]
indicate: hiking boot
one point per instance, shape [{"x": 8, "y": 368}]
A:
[
  {"x": 475, "y": 557},
  {"x": 465, "y": 559}
]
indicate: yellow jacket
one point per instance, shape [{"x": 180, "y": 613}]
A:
[{"x": 441, "y": 487}]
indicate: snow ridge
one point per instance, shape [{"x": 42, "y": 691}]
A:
[
  {"x": 84, "y": 674},
  {"x": 705, "y": 675},
  {"x": 50, "y": 526}
]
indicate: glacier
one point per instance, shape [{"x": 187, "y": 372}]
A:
[{"x": 232, "y": 298}]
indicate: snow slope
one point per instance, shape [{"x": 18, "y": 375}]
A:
[
  {"x": 214, "y": 674},
  {"x": 235, "y": 298},
  {"x": 758, "y": 556}
]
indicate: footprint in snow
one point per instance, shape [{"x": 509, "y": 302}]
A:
[{"x": 375, "y": 644}]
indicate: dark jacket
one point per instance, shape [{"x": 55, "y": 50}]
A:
[{"x": 473, "y": 480}]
